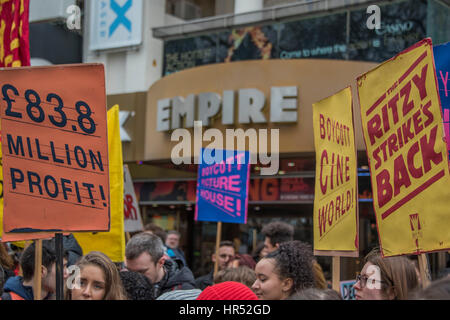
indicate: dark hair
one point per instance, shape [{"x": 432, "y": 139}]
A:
[
  {"x": 27, "y": 259},
  {"x": 257, "y": 251},
  {"x": 2, "y": 279},
  {"x": 241, "y": 274},
  {"x": 6, "y": 260},
  {"x": 316, "y": 294},
  {"x": 157, "y": 230},
  {"x": 437, "y": 290},
  {"x": 145, "y": 242},
  {"x": 278, "y": 232},
  {"x": 293, "y": 259},
  {"x": 136, "y": 285},
  {"x": 226, "y": 243}
]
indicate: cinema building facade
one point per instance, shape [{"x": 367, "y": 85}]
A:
[{"x": 262, "y": 75}]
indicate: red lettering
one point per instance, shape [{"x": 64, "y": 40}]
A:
[
  {"x": 377, "y": 157},
  {"x": 417, "y": 120},
  {"x": 384, "y": 188},
  {"x": 407, "y": 133},
  {"x": 339, "y": 171},
  {"x": 331, "y": 211},
  {"x": 347, "y": 173},
  {"x": 392, "y": 104},
  {"x": 323, "y": 186},
  {"x": 322, "y": 126},
  {"x": 338, "y": 206},
  {"x": 392, "y": 144},
  {"x": 374, "y": 128},
  {"x": 428, "y": 153},
  {"x": 401, "y": 177},
  {"x": 329, "y": 128},
  {"x": 385, "y": 116},
  {"x": 400, "y": 138},
  {"x": 415, "y": 172},
  {"x": 322, "y": 219},
  {"x": 405, "y": 92},
  {"x": 426, "y": 111},
  {"x": 420, "y": 82}
]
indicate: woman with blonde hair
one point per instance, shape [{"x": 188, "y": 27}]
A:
[
  {"x": 388, "y": 278},
  {"x": 99, "y": 279}
]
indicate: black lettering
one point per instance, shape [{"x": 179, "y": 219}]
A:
[
  {"x": 15, "y": 179},
  {"x": 76, "y": 151},
  {"x": 16, "y": 147},
  {"x": 53, "y": 194},
  {"x": 36, "y": 183}
]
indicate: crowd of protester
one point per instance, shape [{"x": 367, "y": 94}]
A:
[{"x": 155, "y": 268}]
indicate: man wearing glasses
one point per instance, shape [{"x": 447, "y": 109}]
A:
[{"x": 226, "y": 254}]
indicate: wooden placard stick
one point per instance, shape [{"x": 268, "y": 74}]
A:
[
  {"x": 127, "y": 237},
  {"x": 37, "y": 269},
  {"x": 218, "y": 237},
  {"x": 424, "y": 270},
  {"x": 336, "y": 275},
  {"x": 254, "y": 239}
]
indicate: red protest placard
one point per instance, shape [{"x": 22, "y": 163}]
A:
[{"x": 55, "y": 148}]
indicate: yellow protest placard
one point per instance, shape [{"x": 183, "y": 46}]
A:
[
  {"x": 111, "y": 243},
  {"x": 335, "y": 199},
  {"x": 403, "y": 132}
]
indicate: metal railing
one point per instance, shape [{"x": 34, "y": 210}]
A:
[{"x": 275, "y": 13}]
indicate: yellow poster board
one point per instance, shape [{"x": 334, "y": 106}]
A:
[
  {"x": 404, "y": 135},
  {"x": 336, "y": 192},
  {"x": 111, "y": 243}
]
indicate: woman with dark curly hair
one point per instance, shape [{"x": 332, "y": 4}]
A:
[{"x": 284, "y": 271}]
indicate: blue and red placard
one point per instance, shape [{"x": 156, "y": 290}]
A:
[
  {"x": 442, "y": 62},
  {"x": 222, "y": 186}
]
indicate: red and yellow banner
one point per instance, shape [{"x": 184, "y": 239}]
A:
[
  {"x": 335, "y": 200},
  {"x": 404, "y": 135},
  {"x": 14, "y": 33}
]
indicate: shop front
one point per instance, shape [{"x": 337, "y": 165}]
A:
[{"x": 252, "y": 97}]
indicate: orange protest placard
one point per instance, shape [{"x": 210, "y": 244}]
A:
[
  {"x": 402, "y": 125},
  {"x": 55, "y": 149}
]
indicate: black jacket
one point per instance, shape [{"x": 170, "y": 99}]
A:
[
  {"x": 177, "y": 277},
  {"x": 205, "y": 281},
  {"x": 72, "y": 250}
]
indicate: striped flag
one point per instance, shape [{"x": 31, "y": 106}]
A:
[{"x": 14, "y": 33}]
